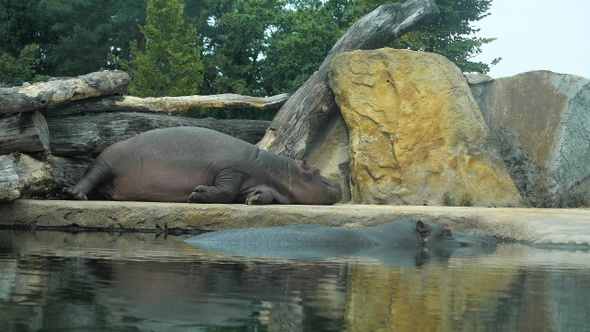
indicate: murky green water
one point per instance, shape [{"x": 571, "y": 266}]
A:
[{"x": 54, "y": 281}]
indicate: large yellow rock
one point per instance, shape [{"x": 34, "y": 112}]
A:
[{"x": 416, "y": 133}]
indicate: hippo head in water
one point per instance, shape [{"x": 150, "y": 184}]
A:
[{"x": 442, "y": 236}]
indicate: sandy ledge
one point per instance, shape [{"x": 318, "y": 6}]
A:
[{"x": 545, "y": 227}]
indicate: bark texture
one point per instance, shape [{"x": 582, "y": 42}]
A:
[
  {"x": 58, "y": 91},
  {"x": 25, "y": 132},
  {"x": 90, "y": 134},
  {"x": 166, "y": 104}
]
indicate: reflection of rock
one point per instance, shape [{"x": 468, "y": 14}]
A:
[
  {"x": 415, "y": 131},
  {"x": 540, "y": 122},
  {"x": 448, "y": 301}
]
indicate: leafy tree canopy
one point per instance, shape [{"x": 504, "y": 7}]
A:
[
  {"x": 171, "y": 64},
  {"x": 253, "y": 47}
]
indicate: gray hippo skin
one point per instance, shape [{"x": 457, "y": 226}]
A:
[
  {"x": 200, "y": 165},
  {"x": 403, "y": 237}
]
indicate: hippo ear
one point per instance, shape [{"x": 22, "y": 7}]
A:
[
  {"x": 304, "y": 164},
  {"x": 422, "y": 228}
]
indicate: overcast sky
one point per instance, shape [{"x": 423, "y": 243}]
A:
[{"x": 537, "y": 34}]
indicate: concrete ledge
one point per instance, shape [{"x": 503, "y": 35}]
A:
[{"x": 548, "y": 227}]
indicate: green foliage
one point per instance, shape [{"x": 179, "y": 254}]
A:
[
  {"x": 447, "y": 199},
  {"x": 573, "y": 200},
  {"x": 466, "y": 200},
  {"x": 21, "y": 69},
  {"x": 451, "y": 34},
  {"x": 170, "y": 65},
  {"x": 303, "y": 37},
  {"x": 251, "y": 47}
]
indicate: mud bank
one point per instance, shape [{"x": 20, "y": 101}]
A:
[{"x": 544, "y": 227}]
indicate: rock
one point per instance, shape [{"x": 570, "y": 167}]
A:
[
  {"x": 328, "y": 149},
  {"x": 540, "y": 122},
  {"x": 416, "y": 133},
  {"x": 23, "y": 176}
]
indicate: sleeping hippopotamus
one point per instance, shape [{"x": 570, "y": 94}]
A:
[
  {"x": 410, "y": 237},
  {"x": 201, "y": 165}
]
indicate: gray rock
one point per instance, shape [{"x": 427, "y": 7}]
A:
[{"x": 541, "y": 124}]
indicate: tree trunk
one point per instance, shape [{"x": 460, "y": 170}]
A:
[
  {"x": 55, "y": 92},
  {"x": 305, "y": 110},
  {"x": 25, "y": 132},
  {"x": 166, "y": 104},
  {"x": 84, "y": 135}
]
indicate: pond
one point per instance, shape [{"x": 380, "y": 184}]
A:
[{"x": 57, "y": 281}]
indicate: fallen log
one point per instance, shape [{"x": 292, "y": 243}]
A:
[
  {"x": 23, "y": 176},
  {"x": 25, "y": 132},
  {"x": 306, "y": 109},
  {"x": 166, "y": 104},
  {"x": 90, "y": 134},
  {"x": 66, "y": 172},
  {"x": 44, "y": 94}
]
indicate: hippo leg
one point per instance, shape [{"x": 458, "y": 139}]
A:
[
  {"x": 92, "y": 178},
  {"x": 259, "y": 196},
  {"x": 226, "y": 188}
]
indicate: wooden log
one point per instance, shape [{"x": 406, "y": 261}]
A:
[
  {"x": 84, "y": 135},
  {"x": 23, "y": 176},
  {"x": 66, "y": 172},
  {"x": 25, "y": 132},
  {"x": 306, "y": 109},
  {"x": 42, "y": 95},
  {"x": 166, "y": 104}
]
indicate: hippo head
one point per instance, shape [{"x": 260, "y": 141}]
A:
[
  {"x": 307, "y": 186},
  {"x": 442, "y": 236},
  {"x": 440, "y": 243}
]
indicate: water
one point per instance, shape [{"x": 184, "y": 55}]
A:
[{"x": 55, "y": 281}]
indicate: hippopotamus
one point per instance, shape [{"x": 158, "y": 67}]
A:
[
  {"x": 408, "y": 236},
  {"x": 199, "y": 165}
]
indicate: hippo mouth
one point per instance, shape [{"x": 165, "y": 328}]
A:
[
  {"x": 334, "y": 187},
  {"x": 480, "y": 242}
]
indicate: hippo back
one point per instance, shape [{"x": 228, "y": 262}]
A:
[{"x": 299, "y": 241}]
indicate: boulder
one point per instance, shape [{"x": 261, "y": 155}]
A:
[
  {"x": 540, "y": 122},
  {"x": 328, "y": 149},
  {"x": 416, "y": 133},
  {"x": 23, "y": 176}
]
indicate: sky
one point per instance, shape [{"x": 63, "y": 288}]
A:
[{"x": 537, "y": 35}]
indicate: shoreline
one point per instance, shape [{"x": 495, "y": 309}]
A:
[{"x": 554, "y": 228}]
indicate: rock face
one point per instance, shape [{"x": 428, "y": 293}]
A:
[
  {"x": 416, "y": 133},
  {"x": 22, "y": 176},
  {"x": 541, "y": 124}
]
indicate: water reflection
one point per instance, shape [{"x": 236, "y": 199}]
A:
[{"x": 136, "y": 282}]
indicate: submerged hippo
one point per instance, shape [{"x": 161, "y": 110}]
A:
[
  {"x": 410, "y": 236},
  {"x": 201, "y": 166}
]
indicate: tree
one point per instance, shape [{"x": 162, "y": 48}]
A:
[
  {"x": 21, "y": 69},
  {"x": 170, "y": 65},
  {"x": 235, "y": 38},
  {"x": 451, "y": 34},
  {"x": 304, "y": 35}
]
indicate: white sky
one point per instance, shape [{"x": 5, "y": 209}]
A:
[{"x": 537, "y": 35}]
